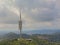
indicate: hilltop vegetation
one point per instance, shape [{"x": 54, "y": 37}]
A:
[
  {"x": 34, "y": 41},
  {"x": 37, "y": 39},
  {"x": 17, "y": 42}
]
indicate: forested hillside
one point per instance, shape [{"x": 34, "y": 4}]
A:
[{"x": 34, "y": 41}]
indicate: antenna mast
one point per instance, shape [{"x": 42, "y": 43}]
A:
[{"x": 20, "y": 25}]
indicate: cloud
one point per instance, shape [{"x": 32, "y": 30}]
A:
[
  {"x": 35, "y": 3},
  {"x": 8, "y": 17},
  {"x": 44, "y": 8},
  {"x": 36, "y": 14},
  {"x": 44, "y": 14}
]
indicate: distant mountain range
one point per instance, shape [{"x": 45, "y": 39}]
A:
[
  {"x": 49, "y": 35},
  {"x": 42, "y": 31},
  {"x": 32, "y": 32},
  {"x": 12, "y": 35}
]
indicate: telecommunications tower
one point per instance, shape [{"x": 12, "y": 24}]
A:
[{"x": 20, "y": 25}]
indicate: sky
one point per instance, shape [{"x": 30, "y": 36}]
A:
[{"x": 36, "y": 14}]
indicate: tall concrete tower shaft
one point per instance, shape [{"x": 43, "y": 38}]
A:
[{"x": 20, "y": 25}]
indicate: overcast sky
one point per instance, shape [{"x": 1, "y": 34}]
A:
[{"x": 36, "y": 14}]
